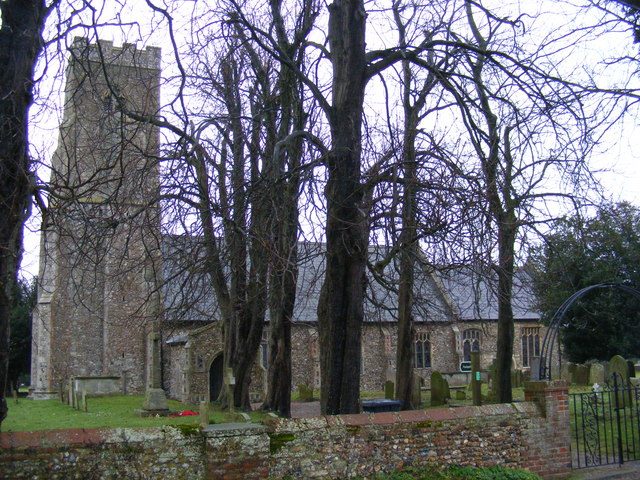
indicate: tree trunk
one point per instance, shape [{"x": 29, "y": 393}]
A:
[
  {"x": 504, "y": 353},
  {"x": 340, "y": 308},
  {"x": 405, "y": 348},
  {"x": 20, "y": 45},
  {"x": 283, "y": 294},
  {"x": 284, "y": 225}
]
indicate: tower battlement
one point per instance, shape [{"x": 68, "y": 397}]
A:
[{"x": 126, "y": 55}]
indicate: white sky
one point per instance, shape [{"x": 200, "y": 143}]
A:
[{"x": 619, "y": 153}]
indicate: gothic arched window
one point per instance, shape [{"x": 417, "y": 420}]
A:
[
  {"x": 422, "y": 358},
  {"x": 470, "y": 343}
]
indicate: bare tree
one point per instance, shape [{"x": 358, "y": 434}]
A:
[
  {"x": 286, "y": 179},
  {"x": 522, "y": 124},
  {"x": 21, "y": 42}
]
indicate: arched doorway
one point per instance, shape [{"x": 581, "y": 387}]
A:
[{"x": 216, "y": 377}]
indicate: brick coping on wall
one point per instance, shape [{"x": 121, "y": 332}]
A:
[
  {"x": 407, "y": 416},
  {"x": 82, "y": 437}
]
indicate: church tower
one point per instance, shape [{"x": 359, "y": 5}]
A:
[{"x": 98, "y": 301}]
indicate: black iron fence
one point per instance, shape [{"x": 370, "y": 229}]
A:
[{"x": 605, "y": 424}]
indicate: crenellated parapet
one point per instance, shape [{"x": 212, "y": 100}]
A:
[{"x": 127, "y": 55}]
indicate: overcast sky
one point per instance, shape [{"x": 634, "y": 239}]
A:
[{"x": 617, "y": 158}]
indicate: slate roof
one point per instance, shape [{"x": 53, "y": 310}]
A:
[
  {"x": 475, "y": 296},
  {"x": 439, "y": 297}
]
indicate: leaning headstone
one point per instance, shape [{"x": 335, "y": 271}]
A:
[
  {"x": 571, "y": 369},
  {"x": 565, "y": 372},
  {"x": 581, "y": 375},
  {"x": 389, "y": 390},
  {"x": 439, "y": 389},
  {"x": 596, "y": 374},
  {"x": 305, "y": 394}
]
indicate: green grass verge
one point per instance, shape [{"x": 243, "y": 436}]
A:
[{"x": 116, "y": 411}]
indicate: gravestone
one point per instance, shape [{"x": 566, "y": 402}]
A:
[
  {"x": 416, "y": 391},
  {"x": 571, "y": 372},
  {"x": 493, "y": 371},
  {"x": 204, "y": 414},
  {"x": 534, "y": 372},
  {"x": 155, "y": 402},
  {"x": 632, "y": 369},
  {"x": 389, "y": 390},
  {"x": 565, "y": 373},
  {"x": 596, "y": 374},
  {"x": 305, "y": 394},
  {"x": 618, "y": 367},
  {"x": 581, "y": 375},
  {"x": 516, "y": 378},
  {"x": 439, "y": 389},
  {"x": 83, "y": 401}
]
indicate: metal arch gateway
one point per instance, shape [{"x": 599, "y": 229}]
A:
[{"x": 554, "y": 326}]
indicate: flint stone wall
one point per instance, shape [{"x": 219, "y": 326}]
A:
[{"x": 528, "y": 435}]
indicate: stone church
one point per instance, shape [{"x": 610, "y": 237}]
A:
[{"x": 115, "y": 297}]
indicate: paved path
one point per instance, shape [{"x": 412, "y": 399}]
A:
[
  {"x": 305, "y": 409},
  {"x": 628, "y": 471}
]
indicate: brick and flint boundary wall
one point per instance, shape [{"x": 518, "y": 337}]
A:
[{"x": 533, "y": 435}]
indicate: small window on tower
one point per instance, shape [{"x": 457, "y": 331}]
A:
[
  {"x": 107, "y": 102},
  {"x": 199, "y": 363}
]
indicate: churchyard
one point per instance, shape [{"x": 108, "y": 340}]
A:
[
  {"x": 120, "y": 410},
  {"x": 447, "y": 431}
]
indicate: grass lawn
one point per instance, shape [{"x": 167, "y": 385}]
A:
[{"x": 116, "y": 411}]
